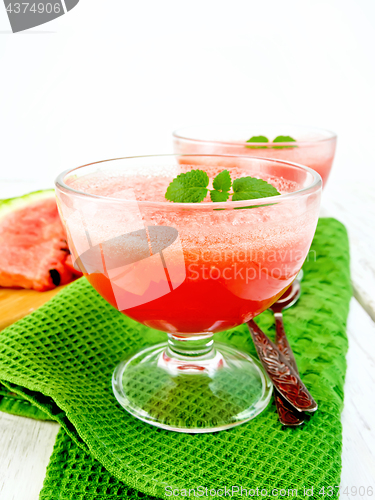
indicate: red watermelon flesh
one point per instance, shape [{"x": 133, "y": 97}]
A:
[{"x": 33, "y": 248}]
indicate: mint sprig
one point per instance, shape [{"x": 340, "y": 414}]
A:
[
  {"x": 222, "y": 184},
  {"x": 217, "y": 196},
  {"x": 284, "y": 138},
  {"x": 192, "y": 187},
  {"x": 222, "y": 181},
  {"x": 251, "y": 188},
  {"x": 262, "y": 138},
  {"x": 258, "y": 139}
]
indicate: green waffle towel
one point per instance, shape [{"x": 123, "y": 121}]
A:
[{"x": 60, "y": 359}]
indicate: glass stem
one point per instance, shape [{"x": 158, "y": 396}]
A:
[{"x": 190, "y": 345}]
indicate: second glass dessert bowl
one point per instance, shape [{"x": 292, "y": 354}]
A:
[
  {"x": 190, "y": 270},
  {"x": 310, "y": 146}
]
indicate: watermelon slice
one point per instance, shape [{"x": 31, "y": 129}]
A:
[{"x": 33, "y": 249}]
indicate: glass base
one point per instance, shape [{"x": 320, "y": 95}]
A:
[{"x": 213, "y": 391}]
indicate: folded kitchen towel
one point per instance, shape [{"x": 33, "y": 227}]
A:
[{"x": 60, "y": 358}]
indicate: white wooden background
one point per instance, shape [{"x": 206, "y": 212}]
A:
[
  {"x": 26, "y": 444},
  {"x": 114, "y": 79}
]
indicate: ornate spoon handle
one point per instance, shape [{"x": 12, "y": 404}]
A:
[
  {"x": 285, "y": 378},
  {"x": 282, "y": 342},
  {"x": 287, "y": 414}
]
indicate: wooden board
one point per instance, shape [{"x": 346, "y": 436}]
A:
[{"x": 15, "y": 304}]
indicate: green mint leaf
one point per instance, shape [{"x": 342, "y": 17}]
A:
[
  {"x": 258, "y": 138},
  {"x": 190, "y": 187},
  {"x": 284, "y": 138},
  {"x": 222, "y": 181},
  {"x": 217, "y": 196},
  {"x": 250, "y": 188}
]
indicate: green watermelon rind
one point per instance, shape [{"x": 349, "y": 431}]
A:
[{"x": 13, "y": 204}]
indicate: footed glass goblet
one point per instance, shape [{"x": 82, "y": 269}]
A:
[{"x": 190, "y": 270}]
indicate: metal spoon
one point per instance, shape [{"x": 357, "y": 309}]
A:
[
  {"x": 282, "y": 371},
  {"x": 288, "y": 416},
  {"x": 283, "y": 376}
]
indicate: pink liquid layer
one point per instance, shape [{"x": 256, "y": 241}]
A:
[
  {"x": 316, "y": 155},
  {"x": 235, "y": 262}
]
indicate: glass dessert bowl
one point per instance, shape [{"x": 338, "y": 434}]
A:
[
  {"x": 313, "y": 147},
  {"x": 190, "y": 270}
]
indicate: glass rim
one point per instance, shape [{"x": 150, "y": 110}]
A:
[
  {"x": 178, "y": 134},
  {"x": 315, "y": 184}
]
